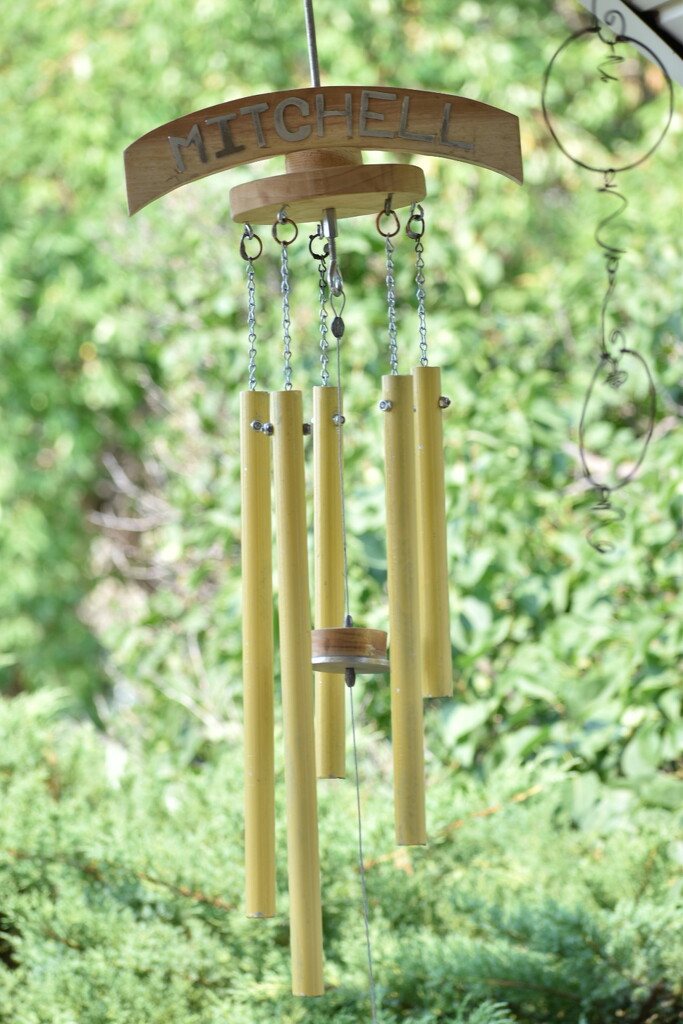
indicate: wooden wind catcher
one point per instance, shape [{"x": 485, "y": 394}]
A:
[{"x": 322, "y": 133}]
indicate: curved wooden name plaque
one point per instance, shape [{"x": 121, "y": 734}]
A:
[{"x": 254, "y": 128}]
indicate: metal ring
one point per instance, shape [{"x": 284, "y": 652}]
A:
[
  {"x": 418, "y": 218},
  {"x": 285, "y": 220},
  {"x": 595, "y": 30},
  {"x": 243, "y": 249},
  {"x": 391, "y": 213},
  {"x": 318, "y": 255}
]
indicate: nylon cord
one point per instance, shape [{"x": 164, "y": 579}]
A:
[{"x": 350, "y": 677}]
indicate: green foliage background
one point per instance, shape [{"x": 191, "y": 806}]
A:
[{"x": 123, "y": 348}]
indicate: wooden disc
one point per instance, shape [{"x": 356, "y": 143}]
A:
[
  {"x": 338, "y": 648},
  {"x": 351, "y": 190},
  {"x": 315, "y": 159}
]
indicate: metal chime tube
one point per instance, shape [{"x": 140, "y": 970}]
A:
[
  {"x": 330, "y": 731},
  {"x": 404, "y": 611},
  {"x": 435, "y": 643},
  {"x": 297, "y": 695},
  {"x": 257, "y": 589}
]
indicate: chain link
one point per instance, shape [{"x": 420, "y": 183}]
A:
[
  {"x": 251, "y": 322},
  {"x": 415, "y": 229},
  {"x": 324, "y": 346},
  {"x": 281, "y": 220},
  {"x": 391, "y": 304},
  {"x": 387, "y": 235},
  {"x": 286, "y": 322},
  {"x": 248, "y": 236},
  {"x": 420, "y": 293},
  {"x": 321, "y": 259}
]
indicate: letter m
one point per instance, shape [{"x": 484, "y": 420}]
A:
[{"x": 193, "y": 139}]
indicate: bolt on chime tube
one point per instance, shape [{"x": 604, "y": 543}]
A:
[
  {"x": 297, "y": 694},
  {"x": 330, "y": 731},
  {"x": 404, "y": 611},
  {"x": 257, "y": 634},
  {"x": 435, "y": 635}
]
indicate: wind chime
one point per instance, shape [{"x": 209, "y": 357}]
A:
[{"x": 321, "y": 131}]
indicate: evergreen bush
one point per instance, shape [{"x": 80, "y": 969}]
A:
[{"x": 121, "y": 893}]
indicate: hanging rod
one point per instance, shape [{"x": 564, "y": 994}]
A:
[{"x": 312, "y": 44}]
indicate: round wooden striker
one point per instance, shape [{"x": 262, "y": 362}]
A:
[
  {"x": 339, "y": 648},
  {"x": 321, "y": 180}
]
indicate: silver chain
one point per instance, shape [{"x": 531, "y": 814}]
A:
[
  {"x": 286, "y": 322},
  {"x": 250, "y": 236},
  {"x": 281, "y": 220},
  {"x": 391, "y": 304},
  {"x": 320, "y": 256},
  {"x": 324, "y": 345},
  {"x": 387, "y": 235},
  {"x": 251, "y": 321},
  {"x": 420, "y": 293},
  {"x": 415, "y": 229}
]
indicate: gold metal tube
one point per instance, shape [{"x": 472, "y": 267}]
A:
[
  {"x": 404, "y": 611},
  {"x": 330, "y": 731},
  {"x": 257, "y": 647},
  {"x": 435, "y": 624},
  {"x": 297, "y": 695}
]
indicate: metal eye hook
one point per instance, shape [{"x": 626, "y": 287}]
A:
[
  {"x": 335, "y": 279},
  {"x": 416, "y": 217}
]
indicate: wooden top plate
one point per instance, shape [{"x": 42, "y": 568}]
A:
[{"x": 254, "y": 128}]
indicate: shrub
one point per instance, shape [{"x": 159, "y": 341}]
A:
[{"x": 121, "y": 882}]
